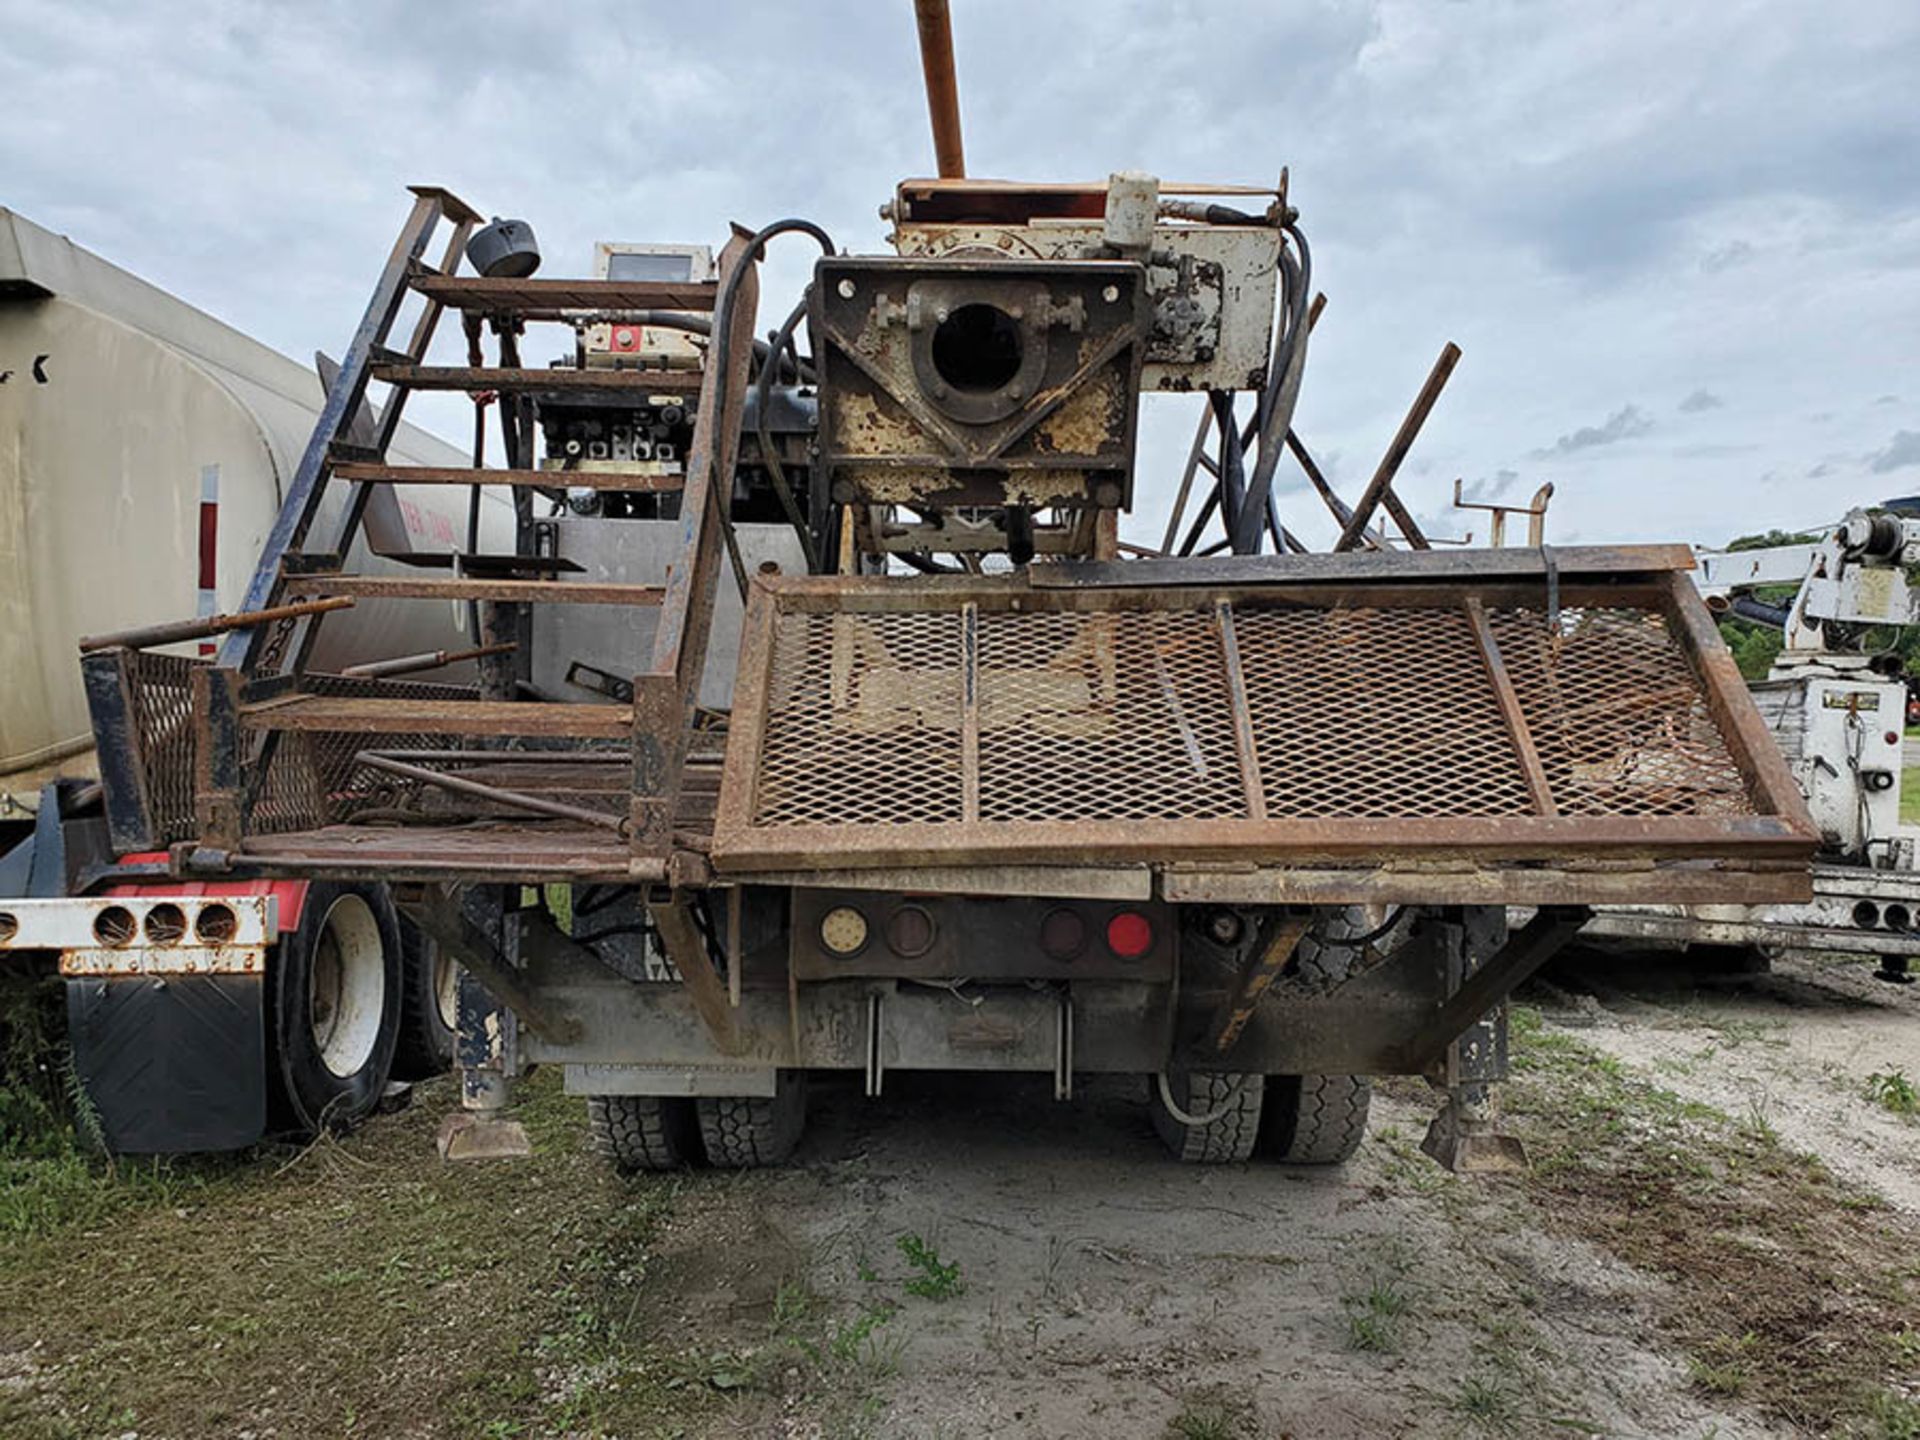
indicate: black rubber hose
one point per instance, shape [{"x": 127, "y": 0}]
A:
[
  {"x": 722, "y": 337},
  {"x": 1759, "y": 611},
  {"x": 1282, "y": 393},
  {"x": 776, "y": 472}
]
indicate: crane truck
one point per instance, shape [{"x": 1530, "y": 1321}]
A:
[
  {"x": 827, "y": 724},
  {"x": 1838, "y": 711}
]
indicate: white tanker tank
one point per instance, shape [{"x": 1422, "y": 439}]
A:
[{"x": 144, "y": 446}]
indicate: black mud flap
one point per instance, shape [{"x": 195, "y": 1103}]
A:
[{"x": 174, "y": 1063}]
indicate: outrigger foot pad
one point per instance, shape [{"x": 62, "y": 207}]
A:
[
  {"x": 1462, "y": 1138},
  {"x": 467, "y": 1136}
]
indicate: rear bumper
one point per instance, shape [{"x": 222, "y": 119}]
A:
[{"x": 156, "y": 934}]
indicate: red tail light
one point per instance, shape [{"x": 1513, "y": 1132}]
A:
[{"x": 1129, "y": 934}]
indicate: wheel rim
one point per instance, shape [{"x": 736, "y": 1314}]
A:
[
  {"x": 446, "y": 988},
  {"x": 347, "y": 986}
]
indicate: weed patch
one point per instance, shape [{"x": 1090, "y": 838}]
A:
[{"x": 1788, "y": 1287}]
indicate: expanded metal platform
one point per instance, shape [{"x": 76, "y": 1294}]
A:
[{"x": 1566, "y": 715}]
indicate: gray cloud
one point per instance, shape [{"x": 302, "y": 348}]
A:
[
  {"x": 1486, "y": 490},
  {"x": 1616, "y": 184},
  {"x": 1701, "y": 400},
  {"x": 1626, "y": 423},
  {"x": 1903, "y": 450}
]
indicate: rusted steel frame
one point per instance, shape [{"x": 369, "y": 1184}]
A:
[
  {"x": 943, "y": 93},
  {"x": 385, "y": 715},
  {"x": 516, "y": 378},
  {"x": 119, "y": 749},
  {"x": 553, "y": 479},
  {"x": 390, "y": 417},
  {"x": 1518, "y": 731},
  {"x": 440, "y": 916},
  {"x": 1397, "y": 452},
  {"x": 492, "y": 794},
  {"x": 1673, "y": 883},
  {"x": 666, "y": 697},
  {"x": 1755, "y": 752},
  {"x": 970, "y": 714},
  {"x": 407, "y": 587},
  {"x": 219, "y": 771},
  {"x": 612, "y": 867},
  {"x": 302, "y": 499},
  {"x": 1526, "y": 950},
  {"x": 746, "y": 728},
  {"x": 686, "y": 947},
  {"x": 1196, "y": 457},
  {"x": 425, "y": 660},
  {"x": 1276, "y": 949},
  {"x": 566, "y": 759},
  {"x": 874, "y": 595},
  {"x": 1246, "y": 749},
  {"x": 1510, "y": 838},
  {"x": 499, "y": 296},
  {"x": 173, "y": 631}
]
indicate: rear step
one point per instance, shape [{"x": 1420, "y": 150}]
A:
[
  {"x": 440, "y": 717},
  {"x": 553, "y": 592}
]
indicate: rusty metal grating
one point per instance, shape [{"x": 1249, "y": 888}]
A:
[
  {"x": 880, "y": 694},
  {"x": 880, "y": 722},
  {"x": 1376, "y": 714},
  {"x": 1618, "y": 716},
  {"x": 160, "y": 691},
  {"x": 1107, "y": 717},
  {"x": 1354, "y": 714}
]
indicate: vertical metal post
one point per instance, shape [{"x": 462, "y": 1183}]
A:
[{"x": 943, "y": 94}]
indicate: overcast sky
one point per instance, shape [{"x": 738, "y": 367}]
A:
[{"x": 1678, "y": 243}]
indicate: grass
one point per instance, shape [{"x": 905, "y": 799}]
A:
[
  {"x": 1910, "y": 791},
  {"x": 932, "y": 1279},
  {"x": 1211, "y": 1414},
  {"x": 361, "y": 1287},
  {"x": 1790, "y": 1288},
  {"x": 1892, "y": 1090}
]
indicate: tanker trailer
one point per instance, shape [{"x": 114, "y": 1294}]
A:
[{"x": 145, "y": 448}]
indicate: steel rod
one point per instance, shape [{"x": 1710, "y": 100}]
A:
[
  {"x": 1403, "y": 440},
  {"x": 425, "y": 660},
  {"x": 199, "y": 629},
  {"x": 599, "y": 819}
]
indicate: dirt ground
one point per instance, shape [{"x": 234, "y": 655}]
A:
[{"x": 1719, "y": 1236}]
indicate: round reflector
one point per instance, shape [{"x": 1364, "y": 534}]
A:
[
  {"x": 1129, "y": 935},
  {"x": 843, "y": 930}
]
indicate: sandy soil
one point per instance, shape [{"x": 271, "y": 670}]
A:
[{"x": 1793, "y": 1049}]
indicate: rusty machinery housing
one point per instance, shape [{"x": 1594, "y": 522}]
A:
[{"x": 1036, "y": 807}]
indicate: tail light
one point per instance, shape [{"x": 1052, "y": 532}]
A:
[{"x": 1129, "y": 934}]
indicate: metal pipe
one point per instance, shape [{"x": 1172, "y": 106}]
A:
[
  {"x": 943, "y": 94},
  {"x": 513, "y": 799},
  {"x": 1409, "y": 431},
  {"x": 425, "y": 660},
  {"x": 174, "y": 631}
]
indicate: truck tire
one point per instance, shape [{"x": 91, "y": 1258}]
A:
[
  {"x": 1315, "y": 1119},
  {"x": 1228, "y": 1107},
  {"x": 1320, "y": 1119},
  {"x": 637, "y": 1133},
  {"x": 333, "y": 1007},
  {"x": 429, "y": 1010},
  {"x": 743, "y": 1131}
]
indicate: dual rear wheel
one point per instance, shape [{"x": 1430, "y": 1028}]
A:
[{"x": 671, "y": 1132}]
